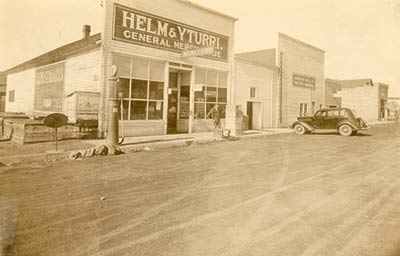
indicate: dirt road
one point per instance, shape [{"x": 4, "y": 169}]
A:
[{"x": 281, "y": 195}]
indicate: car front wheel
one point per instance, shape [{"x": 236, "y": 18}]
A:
[
  {"x": 299, "y": 129},
  {"x": 345, "y": 130}
]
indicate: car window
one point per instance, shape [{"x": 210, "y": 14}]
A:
[
  {"x": 333, "y": 113},
  {"x": 320, "y": 113}
]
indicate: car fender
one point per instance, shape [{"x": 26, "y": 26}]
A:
[
  {"x": 308, "y": 127},
  {"x": 354, "y": 127}
]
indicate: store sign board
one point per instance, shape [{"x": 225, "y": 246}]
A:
[
  {"x": 198, "y": 52},
  {"x": 303, "y": 81},
  {"x": 141, "y": 28},
  {"x": 49, "y": 88}
]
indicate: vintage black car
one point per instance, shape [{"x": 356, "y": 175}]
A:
[{"x": 341, "y": 120}]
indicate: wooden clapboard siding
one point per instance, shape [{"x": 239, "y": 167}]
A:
[
  {"x": 250, "y": 74},
  {"x": 82, "y": 72},
  {"x": 23, "y": 84},
  {"x": 176, "y": 10},
  {"x": 300, "y": 58}
]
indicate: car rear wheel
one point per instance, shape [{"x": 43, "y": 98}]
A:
[
  {"x": 345, "y": 130},
  {"x": 299, "y": 129}
]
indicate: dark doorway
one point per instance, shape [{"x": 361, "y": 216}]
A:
[
  {"x": 172, "y": 103},
  {"x": 249, "y": 115}
]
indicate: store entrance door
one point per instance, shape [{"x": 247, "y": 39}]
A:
[
  {"x": 253, "y": 113},
  {"x": 249, "y": 115},
  {"x": 172, "y": 103}
]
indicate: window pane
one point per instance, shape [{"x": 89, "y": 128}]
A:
[
  {"x": 156, "y": 91},
  {"x": 123, "y": 86},
  {"x": 138, "y": 110},
  {"x": 209, "y": 107},
  {"x": 199, "y": 111},
  {"x": 199, "y": 96},
  {"x": 211, "y": 94},
  {"x": 139, "y": 89},
  {"x": 222, "y": 95},
  {"x": 185, "y": 91},
  {"x": 157, "y": 71},
  {"x": 212, "y": 77},
  {"x": 123, "y": 63},
  {"x": 173, "y": 80},
  {"x": 155, "y": 110},
  {"x": 200, "y": 77},
  {"x": 140, "y": 68},
  {"x": 223, "y": 79},
  {"x": 183, "y": 110},
  {"x": 185, "y": 78},
  {"x": 125, "y": 109},
  {"x": 222, "y": 109},
  {"x": 333, "y": 113}
]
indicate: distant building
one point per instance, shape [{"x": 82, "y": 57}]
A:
[
  {"x": 367, "y": 98},
  {"x": 3, "y": 82},
  {"x": 393, "y": 107},
  {"x": 275, "y": 86}
]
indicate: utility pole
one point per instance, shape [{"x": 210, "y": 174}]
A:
[{"x": 112, "y": 131}]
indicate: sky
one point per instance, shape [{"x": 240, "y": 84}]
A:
[{"x": 361, "y": 37}]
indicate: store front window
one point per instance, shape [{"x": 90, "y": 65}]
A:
[
  {"x": 141, "y": 85},
  {"x": 214, "y": 92}
]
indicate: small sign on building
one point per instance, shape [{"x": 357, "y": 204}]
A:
[
  {"x": 198, "y": 52},
  {"x": 198, "y": 87}
]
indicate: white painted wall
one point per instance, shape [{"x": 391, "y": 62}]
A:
[
  {"x": 23, "y": 83},
  {"x": 301, "y": 58},
  {"x": 82, "y": 73},
  {"x": 364, "y": 100},
  {"x": 175, "y": 10},
  {"x": 247, "y": 75}
]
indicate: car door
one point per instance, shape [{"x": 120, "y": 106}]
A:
[
  {"x": 318, "y": 121},
  {"x": 333, "y": 117}
]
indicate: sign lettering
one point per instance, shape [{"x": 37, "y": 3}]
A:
[
  {"x": 141, "y": 28},
  {"x": 49, "y": 88},
  {"x": 303, "y": 81}
]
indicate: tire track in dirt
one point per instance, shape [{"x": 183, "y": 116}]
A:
[
  {"x": 348, "y": 228},
  {"x": 228, "y": 210}
]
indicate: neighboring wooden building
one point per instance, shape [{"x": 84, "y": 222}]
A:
[
  {"x": 332, "y": 87},
  {"x": 41, "y": 86},
  {"x": 368, "y": 99},
  {"x": 275, "y": 86},
  {"x": 256, "y": 88},
  {"x": 3, "y": 82}
]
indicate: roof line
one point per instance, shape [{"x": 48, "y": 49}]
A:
[
  {"x": 256, "y": 51},
  {"x": 59, "y": 54},
  {"x": 301, "y": 42},
  {"x": 255, "y": 63},
  {"x": 208, "y": 9}
]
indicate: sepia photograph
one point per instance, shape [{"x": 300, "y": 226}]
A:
[{"x": 200, "y": 128}]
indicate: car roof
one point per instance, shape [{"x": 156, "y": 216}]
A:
[{"x": 333, "y": 109}]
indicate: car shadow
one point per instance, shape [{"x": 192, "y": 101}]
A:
[
  {"x": 362, "y": 135},
  {"x": 337, "y": 134}
]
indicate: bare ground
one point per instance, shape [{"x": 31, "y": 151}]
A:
[{"x": 281, "y": 195}]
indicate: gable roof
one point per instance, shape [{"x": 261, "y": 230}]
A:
[
  {"x": 59, "y": 54},
  {"x": 265, "y": 57}
]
